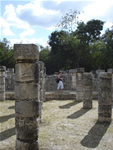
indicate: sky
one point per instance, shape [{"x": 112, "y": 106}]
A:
[{"x": 33, "y": 21}]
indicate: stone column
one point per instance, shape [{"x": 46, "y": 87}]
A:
[
  {"x": 97, "y": 74},
  {"x": 79, "y": 84},
  {"x": 111, "y": 70},
  {"x": 2, "y": 83},
  {"x": 105, "y": 97},
  {"x": 9, "y": 79},
  {"x": 87, "y": 90},
  {"x": 26, "y": 96},
  {"x": 41, "y": 88},
  {"x": 73, "y": 78}
]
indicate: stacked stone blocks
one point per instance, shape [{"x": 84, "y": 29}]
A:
[
  {"x": 105, "y": 97},
  {"x": 87, "y": 90},
  {"x": 42, "y": 87},
  {"x": 27, "y": 100},
  {"x": 79, "y": 84}
]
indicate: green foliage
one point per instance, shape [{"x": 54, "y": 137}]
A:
[
  {"x": 90, "y": 31},
  {"x": 83, "y": 47},
  {"x": 6, "y": 54}
]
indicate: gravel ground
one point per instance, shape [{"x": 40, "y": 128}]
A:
[{"x": 65, "y": 126}]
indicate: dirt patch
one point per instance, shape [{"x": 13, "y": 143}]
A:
[{"x": 66, "y": 126}]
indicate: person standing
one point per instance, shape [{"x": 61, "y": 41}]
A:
[{"x": 60, "y": 84}]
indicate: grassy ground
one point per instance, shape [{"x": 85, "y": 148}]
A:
[{"x": 65, "y": 126}]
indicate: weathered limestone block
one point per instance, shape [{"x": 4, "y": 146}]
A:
[
  {"x": 26, "y": 72},
  {"x": 27, "y": 129},
  {"x": 31, "y": 111},
  {"x": 105, "y": 97},
  {"x": 27, "y": 145},
  {"x": 27, "y": 95},
  {"x": 25, "y": 52},
  {"x": 26, "y": 90},
  {"x": 87, "y": 90},
  {"x": 79, "y": 84},
  {"x": 2, "y": 83}
]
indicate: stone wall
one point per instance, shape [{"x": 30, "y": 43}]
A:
[{"x": 69, "y": 80}]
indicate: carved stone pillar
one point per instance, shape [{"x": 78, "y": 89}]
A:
[
  {"x": 26, "y": 96},
  {"x": 79, "y": 84},
  {"x": 111, "y": 70},
  {"x": 87, "y": 90},
  {"x": 9, "y": 79},
  {"x": 72, "y": 72},
  {"x": 105, "y": 97},
  {"x": 41, "y": 88}
]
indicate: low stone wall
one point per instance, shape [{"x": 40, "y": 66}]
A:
[
  {"x": 54, "y": 95},
  {"x": 69, "y": 80}
]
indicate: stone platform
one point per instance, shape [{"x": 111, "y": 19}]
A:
[{"x": 53, "y": 95}]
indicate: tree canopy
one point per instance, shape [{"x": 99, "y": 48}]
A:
[
  {"x": 76, "y": 44},
  {"x": 6, "y": 54}
]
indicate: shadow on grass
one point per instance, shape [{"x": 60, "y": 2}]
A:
[
  {"x": 11, "y": 107},
  {"x": 78, "y": 114},
  {"x": 5, "y": 118},
  {"x": 66, "y": 106},
  {"x": 7, "y": 134},
  {"x": 94, "y": 136}
]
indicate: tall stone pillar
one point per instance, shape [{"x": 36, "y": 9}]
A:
[
  {"x": 87, "y": 90},
  {"x": 72, "y": 72},
  {"x": 41, "y": 88},
  {"x": 9, "y": 79},
  {"x": 111, "y": 70},
  {"x": 97, "y": 74},
  {"x": 79, "y": 84},
  {"x": 2, "y": 83},
  {"x": 105, "y": 97},
  {"x": 26, "y": 96}
]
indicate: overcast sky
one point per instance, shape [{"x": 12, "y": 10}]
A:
[{"x": 32, "y": 21}]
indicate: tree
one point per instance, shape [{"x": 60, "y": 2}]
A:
[
  {"x": 58, "y": 48},
  {"x": 69, "y": 21},
  {"x": 6, "y": 54},
  {"x": 93, "y": 29},
  {"x": 108, "y": 53},
  {"x": 44, "y": 54},
  {"x": 90, "y": 31}
]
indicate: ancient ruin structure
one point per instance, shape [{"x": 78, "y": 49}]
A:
[
  {"x": 105, "y": 97},
  {"x": 42, "y": 88},
  {"x": 51, "y": 84},
  {"x": 73, "y": 78},
  {"x": 9, "y": 80},
  {"x": 26, "y": 96},
  {"x": 79, "y": 84},
  {"x": 87, "y": 90},
  {"x": 2, "y": 83},
  {"x": 111, "y": 70}
]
